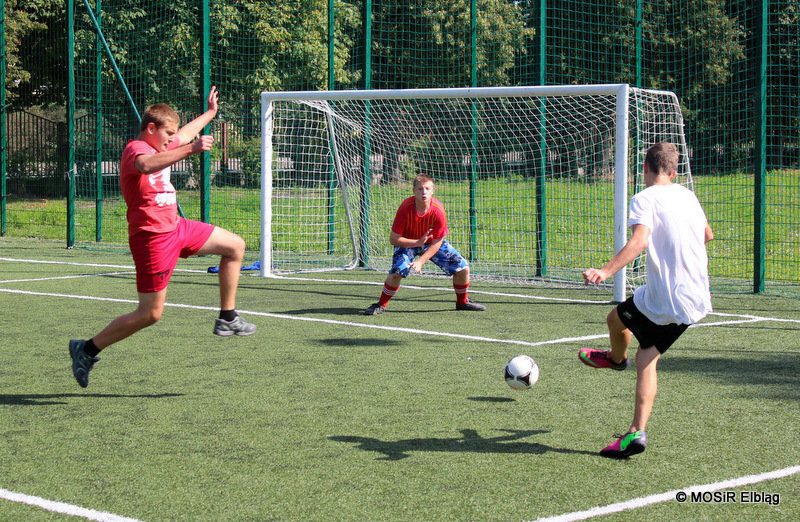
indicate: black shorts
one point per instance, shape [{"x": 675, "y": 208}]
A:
[{"x": 648, "y": 333}]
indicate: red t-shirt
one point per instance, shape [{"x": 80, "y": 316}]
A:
[
  {"x": 411, "y": 225},
  {"x": 152, "y": 203}
]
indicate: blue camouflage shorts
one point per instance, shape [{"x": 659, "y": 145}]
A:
[{"x": 447, "y": 258}]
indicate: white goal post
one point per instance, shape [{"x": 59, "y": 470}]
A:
[{"x": 535, "y": 180}]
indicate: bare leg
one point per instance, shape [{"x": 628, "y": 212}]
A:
[
  {"x": 461, "y": 278},
  {"x": 646, "y": 386},
  {"x": 393, "y": 280},
  {"x": 619, "y": 336},
  {"x": 151, "y": 306},
  {"x": 231, "y": 249}
]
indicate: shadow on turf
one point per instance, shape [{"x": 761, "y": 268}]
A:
[
  {"x": 351, "y": 342},
  {"x": 492, "y": 399},
  {"x": 470, "y": 441},
  {"x": 777, "y": 375},
  {"x": 43, "y": 399}
]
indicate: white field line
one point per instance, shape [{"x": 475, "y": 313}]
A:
[
  {"x": 312, "y": 319},
  {"x": 61, "y": 507},
  {"x": 749, "y": 319},
  {"x": 671, "y": 495},
  {"x": 95, "y": 265},
  {"x": 753, "y": 318},
  {"x": 55, "y": 278},
  {"x": 445, "y": 289},
  {"x": 318, "y": 280},
  {"x": 580, "y": 515}
]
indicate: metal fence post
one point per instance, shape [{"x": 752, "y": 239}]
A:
[
  {"x": 2, "y": 118},
  {"x": 205, "y": 157},
  {"x": 761, "y": 39},
  {"x": 70, "y": 124}
]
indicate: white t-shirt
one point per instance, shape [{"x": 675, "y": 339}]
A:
[{"x": 677, "y": 288}]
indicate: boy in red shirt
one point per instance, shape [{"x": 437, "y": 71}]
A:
[
  {"x": 419, "y": 229},
  {"x": 158, "y": 236}
]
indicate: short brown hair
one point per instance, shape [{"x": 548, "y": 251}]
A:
[
  {"x": 422, "y": 178},
  {"x": 662, "y": 158},
  {"x": 160, "y": 114}
]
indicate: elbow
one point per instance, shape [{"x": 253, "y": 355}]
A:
[
  {"x": 709, "y": 236},
  {"x": 640, "y": 246},
  {"x": 144, "y": 167}
]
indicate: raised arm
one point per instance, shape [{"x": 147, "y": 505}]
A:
[
  {"x": 188, "y": 132},
  {"x": 149, "y": 163}
]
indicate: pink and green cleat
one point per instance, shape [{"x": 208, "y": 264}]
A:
[
  {"x": 600, "y": 359},
  {"x": 626, "y": 445}
]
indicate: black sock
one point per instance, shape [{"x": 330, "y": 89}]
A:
[
  {"x": 90, "y": 349},
  {"x": 227, "y": 315}
]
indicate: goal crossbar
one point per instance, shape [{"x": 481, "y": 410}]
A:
[{"x": 327, "y": 102}]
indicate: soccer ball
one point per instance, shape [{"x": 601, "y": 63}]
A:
[{"x": 521, "y": 372}]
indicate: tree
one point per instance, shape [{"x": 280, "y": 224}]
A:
[
  {"x": 35, "y": 47},
  {"x": 427, "y": 43}
]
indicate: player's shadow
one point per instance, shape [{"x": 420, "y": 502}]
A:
[
  {"x": 353, "y": 342},
  {"x": 469, "y": 441},
  {"x": 342, "y": 311},
  {"x": 45, "y": 399}
]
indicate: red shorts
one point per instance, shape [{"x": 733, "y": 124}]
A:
[{"x": 155, "y": 254}]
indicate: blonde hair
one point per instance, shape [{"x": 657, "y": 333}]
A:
[
  {"x": 421, "y": 179},
  {"x": 160, "y": 114},
  {"x": 662, "y": 158}
]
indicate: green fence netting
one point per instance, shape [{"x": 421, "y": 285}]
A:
[{"x": 733, "y": 64}]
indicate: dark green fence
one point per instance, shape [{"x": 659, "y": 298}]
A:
[{"x": 732, "y": 63}]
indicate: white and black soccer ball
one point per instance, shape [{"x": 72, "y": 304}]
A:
[{"x": 521, "y": 372}]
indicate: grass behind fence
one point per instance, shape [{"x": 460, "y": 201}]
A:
[
  {"x": 728, "y": 202},
  {"x": 338, "y": 421}
]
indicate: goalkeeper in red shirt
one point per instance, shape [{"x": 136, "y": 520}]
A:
[{"x": 418, "y": 235}]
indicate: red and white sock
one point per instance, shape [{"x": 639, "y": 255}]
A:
[
  {"x": 461, "y": 293},
  {"x": 388, "y": 293}
]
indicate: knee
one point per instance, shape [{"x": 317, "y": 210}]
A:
[
  {"x": 613, "y": 321},
  {"x": 462, "y": 276},
  {"x": 153, "y": 316},
  {"x": 234, "y": 247},
  {"x": 394, "y": 279},
  {"x": 149, "y": 316},
  {"x": 238, "y": 246},
  {"x": 611, "y": 318}
]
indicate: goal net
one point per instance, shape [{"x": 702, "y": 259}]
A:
[{"x": 535, "y": 180}]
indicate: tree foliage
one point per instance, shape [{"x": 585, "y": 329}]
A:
[
  {"x": 427, "y": 43},
  {"x": 35, "y": 50},
  {"x": 704, "y": 50}
]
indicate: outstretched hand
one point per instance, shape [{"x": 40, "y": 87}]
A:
[{"x": 213, "y": 99}]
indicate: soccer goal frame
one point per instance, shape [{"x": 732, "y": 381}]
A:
[{"x": 628, "y": 106}]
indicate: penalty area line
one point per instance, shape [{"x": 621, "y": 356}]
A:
[
  {"x": 354, "y": 324},
  {"x": 309, "y": 319},
  {"x": 62, "y": 507},
  {"x": 671, "y": 495},
  {"x": 56, "y": 278}
]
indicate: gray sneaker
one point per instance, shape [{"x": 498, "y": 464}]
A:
[
  {"x": 374, "y": 309},
  {"x": 471, "y": 305},
  {"x": 82, "y": 362},
  {"x": 237, "y": 326}
]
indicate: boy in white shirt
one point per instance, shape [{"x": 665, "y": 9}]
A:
[{"x": 667, "y": 220}]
